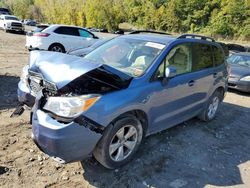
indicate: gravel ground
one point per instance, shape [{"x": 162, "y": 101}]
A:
[{"x": 192, "y": 154}]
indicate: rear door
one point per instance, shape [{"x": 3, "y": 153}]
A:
[
  {"x": 203, "y": 71},
  {"x": 68, "y": 36}
]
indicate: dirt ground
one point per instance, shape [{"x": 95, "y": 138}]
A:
[{"x": 192, "y": 154}]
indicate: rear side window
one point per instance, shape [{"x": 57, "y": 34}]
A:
[
  {"x": 67, "y": 31},
  {"x": 218, "y": 56},
  {"x": 202, "y": 57}
]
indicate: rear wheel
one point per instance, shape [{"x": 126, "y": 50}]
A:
[
  {"x": 212, "y": 106},
  {"x": 119, "y": 142},
  {"x": 57, "y": 48}
]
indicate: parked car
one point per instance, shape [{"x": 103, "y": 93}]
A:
[
  {"x": 11, "y": 23},
  {"x": 37, "y": 29},
  {"x": 128, "y": 88},
  {"x": 60, "y": 38},
  {"x": 239, "y": 66},
  {"x": 5, "y": 11},
  {"x": 236, "y": 48},
  {"x": 30, "y": 22},
  {"x": 103, "y": 30},
  {"x": 81, "y": 52},
  {"x": 119, "y": 32}
]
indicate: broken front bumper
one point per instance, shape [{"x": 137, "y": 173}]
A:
[
  {"x": 64, "y": 142},
  {"x": 23, "y": 94}
]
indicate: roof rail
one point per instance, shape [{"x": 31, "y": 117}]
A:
[
  {"x": 147, "y": 31},
  {"x": 184, "y": 36}
]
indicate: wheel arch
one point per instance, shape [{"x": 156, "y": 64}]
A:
[
  {"x": 56, "y": 43},
  {"x": 139, "y": 114},
  {"x": 222, "y": 91}
]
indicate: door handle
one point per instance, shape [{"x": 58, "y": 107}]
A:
[
  {"x": 215, "y": 74},
  {"x": 191, "y": 83}
]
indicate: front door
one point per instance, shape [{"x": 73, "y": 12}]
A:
[{"x": 174, "y": 102}]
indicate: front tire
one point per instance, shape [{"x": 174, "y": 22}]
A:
[
  {"x": 211, "y": 108},
  {"x": 119, "y": 143}
]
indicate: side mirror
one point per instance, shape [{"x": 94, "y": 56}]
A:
[{"x": 170, "y": 72}]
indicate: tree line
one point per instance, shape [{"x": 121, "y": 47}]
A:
[{"x": 228, "y": 18}]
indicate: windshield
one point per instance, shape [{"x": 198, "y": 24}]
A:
[
  {"x": 130, "y": 56},
  {"x": 10, "y": 18},
  {"x": 243, "y": 60}
]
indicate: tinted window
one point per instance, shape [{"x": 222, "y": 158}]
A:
[
  {"x": 180, "y": 57},
  {"x": 218, "y": 56},
  {"x": 85, "y": 34},
  {"x": 10, "y": 18},
  {"x": 67, "y": 31},
  {"x": 202, "y": 57}
]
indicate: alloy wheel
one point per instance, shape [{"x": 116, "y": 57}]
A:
[
  {"x": 123, "y": 143},
  {"x": 56, "y": 49},
  {"x": 213, "y": 106}
]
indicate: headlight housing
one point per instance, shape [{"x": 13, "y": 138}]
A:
[
  {"x": 246, "y": 78},
  {"x": 70, "y": 107},
  {"x": 24, "y": 74}
]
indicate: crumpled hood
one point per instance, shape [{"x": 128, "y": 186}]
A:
[{"x": 59, "y": 68}]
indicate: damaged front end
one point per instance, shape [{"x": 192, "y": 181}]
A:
[{"x": 59, "y": 126}]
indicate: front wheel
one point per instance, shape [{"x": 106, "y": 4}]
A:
[
  {"x": 119, "y": 142},
  {"x": 211, "y": 108}
]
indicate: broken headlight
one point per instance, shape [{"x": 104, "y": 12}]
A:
[
  {"x": 70, "y": 107},
  {"x": 24, "y": 74}
]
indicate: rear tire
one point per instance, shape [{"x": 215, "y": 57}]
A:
[
  {"x": 211, "y": 108},
  {"x": 119, "y": 142},
  {"x": 57, "y": 48}
]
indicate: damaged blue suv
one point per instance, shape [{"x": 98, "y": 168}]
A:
[{"x": 130, "y": 87}]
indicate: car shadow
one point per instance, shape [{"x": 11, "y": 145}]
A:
[
  {"x": 8, "y": 90},
  {"x": 192, "y": 154},
  {"x": 239, "y": 92},
  {"x": 18, "y": 33}
]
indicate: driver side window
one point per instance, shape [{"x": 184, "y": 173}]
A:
[{"x": 180, "y": 57}]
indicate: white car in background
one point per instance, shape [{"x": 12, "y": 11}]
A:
[
  {"x": 60, "y": 38},
  {"x": 10, "y": 23}
]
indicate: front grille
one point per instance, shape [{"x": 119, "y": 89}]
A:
[
  {"x": 35, "y": 84},
  {"x": 16, "y": 24},
  {"x": 38, "y": 83}
]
